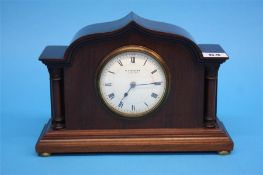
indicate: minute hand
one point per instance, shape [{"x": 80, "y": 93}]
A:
[{"x": 154, "y": 83}]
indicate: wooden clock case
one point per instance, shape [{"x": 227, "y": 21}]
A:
[{"x": 186, "y": 121}]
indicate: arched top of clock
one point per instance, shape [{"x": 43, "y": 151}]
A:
[
  {"x": 134, "y": 22},
  {"x": 61, "y": 55},
  {"x": 131, "y": 18}
]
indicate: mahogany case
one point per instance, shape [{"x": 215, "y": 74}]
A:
[{"x": 186, "y": 121}]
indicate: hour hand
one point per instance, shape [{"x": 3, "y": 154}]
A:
[{"x": 132, "y": 85}]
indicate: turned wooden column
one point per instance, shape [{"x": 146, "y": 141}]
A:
[
  {"x": 57, "y": 114},
  {"x": 211, "y": 94}
]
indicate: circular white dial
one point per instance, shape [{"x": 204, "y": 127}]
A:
[{"x": 132, "y": 83}]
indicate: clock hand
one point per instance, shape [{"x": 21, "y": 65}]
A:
[
  {"x": 126, "y": 94},
  {"x": 132, "y": 85},
  {"x": 155, "y": 83}
]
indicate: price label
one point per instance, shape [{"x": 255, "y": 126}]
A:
[{"x": 214, "y": 54}]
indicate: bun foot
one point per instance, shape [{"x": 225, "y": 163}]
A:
[
  {"x": 223, "y": 152},
  {"x": 45, "y": 154}
]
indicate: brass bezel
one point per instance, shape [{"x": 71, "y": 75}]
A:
[{"x": 136, "y": 48}]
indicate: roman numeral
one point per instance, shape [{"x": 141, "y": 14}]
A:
[
  {"x": 133, "y": 59},
  {"x": 154, "y": 95},
  {"x": 154, "y": 71},
  {"x": 111, "y": 96},
  {"x": 111, "y": 72},
  {"x": 145, "y": 62},
  {"x": 120, "y": 104},
  {"x": 108, "y": 84},
  {"x": 120, "y": 63},
  {"x": 146, "y": 104},
  {"x": 133, "y": 108}
]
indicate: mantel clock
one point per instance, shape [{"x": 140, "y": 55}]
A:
[{"x": 133, "y": 85}]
